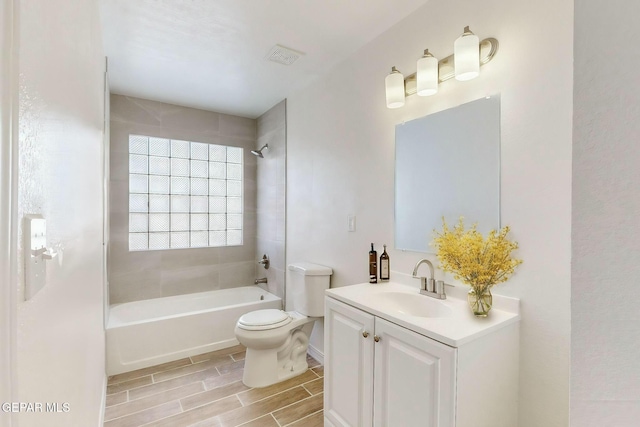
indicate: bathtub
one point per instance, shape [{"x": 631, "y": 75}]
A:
[{"x": 150, "y": 332}]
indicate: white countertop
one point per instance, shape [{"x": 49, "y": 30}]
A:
[{"x": 455, "y": 330}]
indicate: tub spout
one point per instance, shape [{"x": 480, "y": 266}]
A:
[{"x": 258, "y": 281}]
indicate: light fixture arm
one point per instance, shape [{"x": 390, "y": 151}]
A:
[{"x": 446, "y": 71}]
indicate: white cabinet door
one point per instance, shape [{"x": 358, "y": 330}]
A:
[
  {"x": 348, "y": 357},
  {"x": 414, "y": 379}
]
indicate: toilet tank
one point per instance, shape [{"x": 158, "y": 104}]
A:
[{"x": 306, "y": 287}]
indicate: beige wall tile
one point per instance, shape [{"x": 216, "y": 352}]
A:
[
  {"x": 136, "y": 275},
  {"x": 238, "y": 127}
]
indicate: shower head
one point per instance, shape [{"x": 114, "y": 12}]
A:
[{"x": 258, "y": 153}]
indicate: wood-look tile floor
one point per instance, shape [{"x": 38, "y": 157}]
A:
[{"x": 207, "y": 390}]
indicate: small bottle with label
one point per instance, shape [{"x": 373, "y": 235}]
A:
[
  {"x": 373, "y": 265},
  {"x": 384, "y": 264}
]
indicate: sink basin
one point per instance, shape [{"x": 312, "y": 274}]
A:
[{"x": 413, "y": 304}]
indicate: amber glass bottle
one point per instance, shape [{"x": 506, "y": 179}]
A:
[
  {"x": 373, "y": 265},
  {"x": 384, "y": 264}
]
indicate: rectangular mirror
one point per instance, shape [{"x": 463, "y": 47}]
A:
[{"x": 447, "y": 165}]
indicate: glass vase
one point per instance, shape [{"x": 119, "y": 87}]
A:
[{"x": 480, "y": 301}]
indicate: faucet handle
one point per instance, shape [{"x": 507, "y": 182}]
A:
[
  {"x": 423, "y": 282},
  {"x": 440, "y": 287}
]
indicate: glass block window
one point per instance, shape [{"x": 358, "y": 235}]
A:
[{"x": 183, "y": 194}]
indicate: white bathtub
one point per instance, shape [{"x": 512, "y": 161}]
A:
[{"x": 150, "y": 332}]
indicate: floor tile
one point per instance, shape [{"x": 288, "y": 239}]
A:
[
  {"x": 228, "y": 367},
  {"x": 128, "y": 385},
  {"x": 116, "y": 398},
  {"x": 221, "y": 380},
  {"x": 265, "y": 421},
  {"x": 173, "y": 383},
  {"x": 319, "y": 370},
  {"x": 262, "y": 407},
  {"x": 207, "y": 391},
  {"x": 256, "y": 394},
  {"x": 149, "y": 402},
  {"x": 239, "y": 356},
  {"x": 195, "y": 367},
  {"x": 315, "y": 420},
  {"x": 315, "y": 386},
  {"x": 299, "y": 410},
  {"x": 223, "y": 352},
  {"x": 148, "y": 371},
  {"x": 212, "y": 395},
  {"x": 200, "y": 413},
  {"x": 146, "y": 416}
]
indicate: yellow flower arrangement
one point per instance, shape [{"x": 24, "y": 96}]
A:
[{"x": 476, "y": 261}]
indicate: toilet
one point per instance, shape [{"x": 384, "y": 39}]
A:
[{"x": 277, "y": 340}]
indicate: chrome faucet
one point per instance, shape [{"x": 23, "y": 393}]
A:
[
  {"x": 258, "y": 281},
  {"x": 429, "y": 286}
]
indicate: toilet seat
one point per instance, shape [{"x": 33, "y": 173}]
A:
[{"x": 261, "y": 320}]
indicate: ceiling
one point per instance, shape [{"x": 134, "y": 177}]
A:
[{"x": 210, "y": 54}]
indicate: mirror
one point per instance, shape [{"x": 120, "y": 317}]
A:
[{"x": 447, "y": 164}]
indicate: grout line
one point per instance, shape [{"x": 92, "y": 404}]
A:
[
  {"x": 275, "y": 419},
  {"x": 291, "y": 404},
  {"x": 300, "y": 419}
]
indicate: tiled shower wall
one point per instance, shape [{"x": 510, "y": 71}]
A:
[
  {"x": 271, "y": 181},
  {"x": 152, "y": 274}
]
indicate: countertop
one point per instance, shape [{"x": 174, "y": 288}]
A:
[{"x": 458, "y": 328}]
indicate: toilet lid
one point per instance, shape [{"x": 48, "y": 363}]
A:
[{"x": 263, "y": 319}]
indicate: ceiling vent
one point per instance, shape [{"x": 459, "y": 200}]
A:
[{"x": 283, "y": 55}]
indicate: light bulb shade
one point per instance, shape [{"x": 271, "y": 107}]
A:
[
  {"x": 466, "y": 56},
  {"x": 427, "y": 75},
  {"x": 394, "y": 86}
]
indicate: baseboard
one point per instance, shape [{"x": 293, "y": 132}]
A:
[
  {"x": 103, "y": 401},
  {"x": 316, "y": 354}
]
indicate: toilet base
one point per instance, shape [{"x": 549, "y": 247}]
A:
[{"x": 269, "y": 366}]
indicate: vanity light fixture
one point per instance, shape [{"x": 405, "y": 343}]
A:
[
  {"x": 394, "y": 85},
  {"x": 464, "y": 64},
  {"x": 466, "y": 55},
  {"x": 427, "y": 75}
]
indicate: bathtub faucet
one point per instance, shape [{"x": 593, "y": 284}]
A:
[{"x": 258, "y": 281}]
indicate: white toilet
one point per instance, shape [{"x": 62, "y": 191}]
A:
[{"x": 277, "y": 340}]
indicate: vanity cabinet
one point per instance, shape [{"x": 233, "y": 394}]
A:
[{"x": 378, "y": 373}]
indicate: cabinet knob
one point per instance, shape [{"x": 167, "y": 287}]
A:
[
  {"x": 376, "y": 338},
  {"x": 365, "y": 334}
]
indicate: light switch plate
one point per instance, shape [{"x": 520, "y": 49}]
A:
[
  {"x": 35, "y": 245},
  {"x": 351, "y": 219}
]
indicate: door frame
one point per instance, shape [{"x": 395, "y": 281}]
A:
[{"x": 8, "y": 203}]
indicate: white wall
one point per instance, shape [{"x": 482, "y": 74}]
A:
[
  {"x": 60, "y": 335},
  {"x": 340, "y": 148},
  {"x": 605, "y": 336}
]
